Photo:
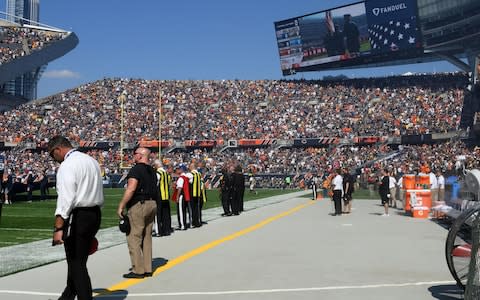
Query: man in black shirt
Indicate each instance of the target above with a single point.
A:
(226, 192)
(384, 191)
(348, 191)
(238, 184)
(140, 198)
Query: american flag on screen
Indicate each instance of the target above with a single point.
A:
(394, 35)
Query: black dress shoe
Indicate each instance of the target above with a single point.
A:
(148, 274)
(133, 275)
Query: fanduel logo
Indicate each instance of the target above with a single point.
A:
(383, 10)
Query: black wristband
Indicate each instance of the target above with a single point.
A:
(55, 229)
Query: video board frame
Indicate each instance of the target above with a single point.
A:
(317, 41)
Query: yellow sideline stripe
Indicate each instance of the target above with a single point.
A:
(123, 285)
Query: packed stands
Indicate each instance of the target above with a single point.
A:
(235, 109)
(16, 41)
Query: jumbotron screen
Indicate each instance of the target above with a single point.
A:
(352, 35)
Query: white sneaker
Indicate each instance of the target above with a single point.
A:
(385, 215)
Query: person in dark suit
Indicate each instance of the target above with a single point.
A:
(348, 189)
(226, 192)
(238, 184)
(352, 35)
(384, 191)
(334, 42)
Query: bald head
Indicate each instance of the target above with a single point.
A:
(158, 164)
(141, 155)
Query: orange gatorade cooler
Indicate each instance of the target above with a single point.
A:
(423, 198)
(418, 198)
(408, 199)
(409, 182)
(421, 212)
(423, 181)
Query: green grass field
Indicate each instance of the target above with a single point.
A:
(25, 222)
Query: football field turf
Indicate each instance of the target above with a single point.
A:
(25, 222)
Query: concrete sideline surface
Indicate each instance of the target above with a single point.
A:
(307, 254)
(26, 256)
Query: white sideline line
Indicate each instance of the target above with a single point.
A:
(271, 291)
(26, 229)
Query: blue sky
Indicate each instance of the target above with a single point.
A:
(182, 39)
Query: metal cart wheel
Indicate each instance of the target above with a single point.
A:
(458, 246)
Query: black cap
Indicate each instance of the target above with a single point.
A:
(124, 225)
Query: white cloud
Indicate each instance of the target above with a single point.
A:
(62, 74)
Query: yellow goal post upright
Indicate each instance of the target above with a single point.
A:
(160, 96)
(122, 99)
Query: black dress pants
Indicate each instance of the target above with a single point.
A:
(182, 213)
(236, 202)
(226, 202)
(195, 206)
(337, 200)
(165, 227)
(84, 226)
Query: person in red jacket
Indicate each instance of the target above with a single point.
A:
(181, 196)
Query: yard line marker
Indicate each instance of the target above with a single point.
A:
(26, 229)
(239, 292)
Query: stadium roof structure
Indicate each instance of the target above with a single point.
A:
(41, 56)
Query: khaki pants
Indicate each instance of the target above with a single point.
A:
(139, 240)
(441, 194)
(434, 193)
(402, 197)
(393, 195)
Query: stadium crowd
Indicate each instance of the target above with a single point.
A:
(19, 41)
(236, 109)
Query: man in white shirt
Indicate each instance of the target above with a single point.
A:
(181, 195)
(433, 186)
(441, 185)
(189, 203)
(337, 184)
(77, 215)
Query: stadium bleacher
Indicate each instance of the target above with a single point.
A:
(218, 111)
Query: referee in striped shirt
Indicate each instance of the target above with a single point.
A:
(163, 219)
(196, 195)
